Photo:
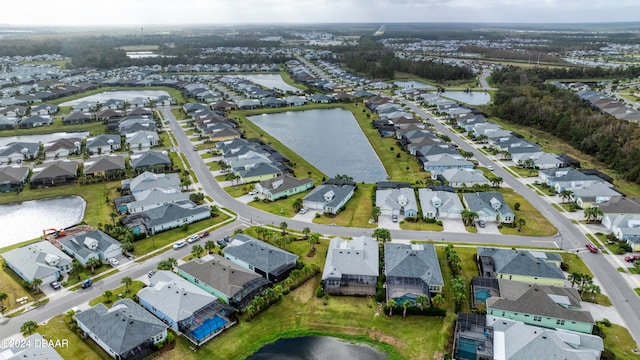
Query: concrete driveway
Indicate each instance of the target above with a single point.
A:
(453, 225)
(384, 221)
(489, 228)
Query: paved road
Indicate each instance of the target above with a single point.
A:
(569, 236)
(483, 80)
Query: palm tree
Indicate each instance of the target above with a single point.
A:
(437, 300)
(313, 240)
(126, 281)
(3, 297)
(108, 294)
(197, 250)
(172, 262)
(283, 227)
(28, 327)
(35, 283)
(574, 278)
(306, 231)
(391, 304)
(210, 245)
(468, 217)
(375, 213)
(521, 222)
(297, 204)
(496, 181)
(382, 235)
(113, 217)
(93, 263)
(422, 302)
(566, 195)
(405, 305)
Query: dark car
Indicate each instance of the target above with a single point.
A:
(87, 283)
(221, 242)
(56, 285)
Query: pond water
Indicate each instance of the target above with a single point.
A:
(26, 220)
(42, 138)
(413, 85)
(119, 95)
(472, 98)
(271, 81)
(329, 139)
(316, 348)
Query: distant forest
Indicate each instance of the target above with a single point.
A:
(524, 98)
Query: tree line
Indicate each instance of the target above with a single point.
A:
(523, 98)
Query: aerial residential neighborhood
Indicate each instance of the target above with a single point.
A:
(368, 191)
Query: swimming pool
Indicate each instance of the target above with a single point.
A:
(482, 294)
(468, 348)
(208, 327)
(406, 297)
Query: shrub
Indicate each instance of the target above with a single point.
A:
(564, 266)
(319, 291)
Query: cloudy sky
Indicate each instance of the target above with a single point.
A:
(142, 12)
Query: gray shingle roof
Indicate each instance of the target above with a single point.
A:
(79, 244)
(519, 262)
(351, 257)
(621, 205)
(339, 193)
(222, 274)
(483, 201)
(259, 170)
(37, 260)
(12, 174)
(170, 212)
(56, 169)
(258, 253)
(102, 140)
(104, 163)
(150, 158)
(538, 299)
(30, 349)
(123, 327)
(149, 180)
(416, 261)
(174, 296)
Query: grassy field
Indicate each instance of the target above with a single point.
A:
(86, 273)
(619, 340)
(420, 225)
(133, 289)
(79, 348)
(537, 224)
(356, 213)
(93, 128)
(575, 264)
(10, 284)
(281, 207)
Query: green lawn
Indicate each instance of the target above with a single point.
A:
(79, 348)
(619, 340)
(85, 274)
(356, 213)
(420, 225)
(281, 207)
(537, 224)
(11, 284)
(133, 289)
(575, 264)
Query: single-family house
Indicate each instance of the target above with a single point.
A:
(166, 217)
(126, 331)
(515, 340)
(490, 206)
(93, 244)
(411, 270)
(223, 134)
(593, 194)
(464, 178)
(141, 140)
(35, 121)
(401, 201)
(148, 180)
(103, 144)
(153, 161)
(259, 172)
(18, 151)
(440, 204)
(351, 267)
(520, 265)
(62, 148)
(283, 186)
(567, 178)
(230, 282)
(59, 172)
(7, 122)
(271, 262)
(44, 109)
(105, 166)
(186, 308)
(443, 162)
(153, 198)
(554, 307)
(625, 226)
(77, 117)
(328, 198)
(40, 260)
(618, 206)
(13, 177)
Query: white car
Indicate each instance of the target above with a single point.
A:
(179, 244)
(113, 261)
(253, 192)
(193, 238)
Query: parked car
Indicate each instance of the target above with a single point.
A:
(87, 283)
(481, 223)
(394, 218)
(151, 273)
(632, 257)
(179, 244)
(193, 238)
(252, 192)
(195, 148)
(56, 285)
(113, 262)
(221, 242)
(203, 234)
(592, 248)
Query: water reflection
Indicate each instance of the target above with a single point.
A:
(316, 348)
(26, 220)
